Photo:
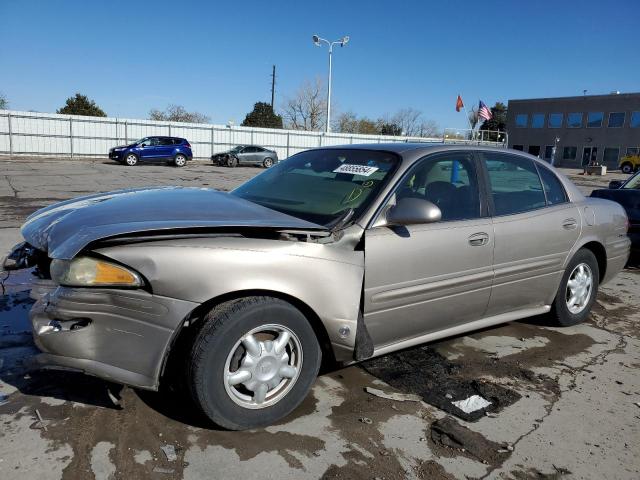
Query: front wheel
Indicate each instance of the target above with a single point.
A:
(232, 162)
(131, 159)
(180, 160)
(626, 167)
(578, 289)
(253, 362)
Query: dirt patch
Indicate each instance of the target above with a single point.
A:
(449, 434)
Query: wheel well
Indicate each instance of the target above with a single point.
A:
(601, 256)
(183, 339)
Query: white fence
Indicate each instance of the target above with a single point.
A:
(30, 133)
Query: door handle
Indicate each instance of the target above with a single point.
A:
(569, 224)
(478, 239)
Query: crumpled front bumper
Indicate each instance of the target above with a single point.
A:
(118, 335)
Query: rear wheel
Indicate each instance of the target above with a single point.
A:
(626, 167)
(180, 160)
(253, 362)
(578, 289)
(267, 162)
(131, 159)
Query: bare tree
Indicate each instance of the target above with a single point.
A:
(4, 103)
(408, 119)
(177, 113)
(349, 122)
(429, 128)
(306, 109)
(473, 117)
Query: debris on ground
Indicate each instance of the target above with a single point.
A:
(472, 403)
(170, 452)
(396, 396)
(366, 420)
(168, 471)
(439, 381)
(40, 423)
(447, 432)
(3, 398)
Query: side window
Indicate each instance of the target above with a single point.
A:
(449, 181)
(165, 141)
(250, 150)
(514, 183)
(552, 187)
(153, 141)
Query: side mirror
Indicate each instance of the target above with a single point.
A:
(615, 184)
(413, 211)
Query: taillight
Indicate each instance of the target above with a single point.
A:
(187, 145)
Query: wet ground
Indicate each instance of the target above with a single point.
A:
(565, 403)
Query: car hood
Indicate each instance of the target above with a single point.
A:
(64, 229)
(123, 146)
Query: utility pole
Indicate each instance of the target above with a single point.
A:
(273, 85)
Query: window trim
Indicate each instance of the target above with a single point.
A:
(544, 118)
(492, 208)
(581, 119)
(624, 119)
(549, 119)
(601, 120)
(526, 123)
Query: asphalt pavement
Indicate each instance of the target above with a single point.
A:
(565, 401)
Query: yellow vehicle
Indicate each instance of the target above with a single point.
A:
(630, 163)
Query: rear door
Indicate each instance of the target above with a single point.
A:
(424, 278)
(165, 147)
(535, 227)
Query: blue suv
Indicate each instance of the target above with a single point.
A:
(176, 150)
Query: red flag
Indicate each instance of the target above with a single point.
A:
(459, 104)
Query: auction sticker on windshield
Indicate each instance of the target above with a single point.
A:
(363, 170)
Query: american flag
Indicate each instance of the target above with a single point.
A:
(483, 111)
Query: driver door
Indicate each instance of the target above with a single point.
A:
(148, 149)
(423, 278)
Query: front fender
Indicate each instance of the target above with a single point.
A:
(326, 278)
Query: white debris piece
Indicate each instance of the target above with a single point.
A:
(399, 397)
(170, 452)
(471, 404)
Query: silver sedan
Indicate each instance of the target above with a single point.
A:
(337, 254)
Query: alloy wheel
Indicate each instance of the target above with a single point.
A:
(263, 366)
(579, 288)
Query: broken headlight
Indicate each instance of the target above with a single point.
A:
(93, 272)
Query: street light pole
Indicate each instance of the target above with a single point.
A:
(318, 41)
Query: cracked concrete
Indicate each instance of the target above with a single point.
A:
(575, 417)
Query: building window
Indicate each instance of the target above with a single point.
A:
(518, 147)
(521, 120)
(548, 152)
(537, 120)
(534, 150)
(611, 156)
(594, 119)
(574, 120)
(616, 120)
(633, 151)
(555, 120)
(569, 153)
(635, 120)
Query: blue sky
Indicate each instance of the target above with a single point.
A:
(215, 57)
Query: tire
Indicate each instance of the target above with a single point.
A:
(180, 160)
(626, 167)
(130, 159)
(561, 312)
(267, 162)
(219, 352)
(232, 162)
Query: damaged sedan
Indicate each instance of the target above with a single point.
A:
(333, 256)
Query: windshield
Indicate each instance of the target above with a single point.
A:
(321, 186)
(138, 142)
(236, 149)
(633, 183)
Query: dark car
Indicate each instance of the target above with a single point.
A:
(176, 150)
(246, 154)
(626, 194)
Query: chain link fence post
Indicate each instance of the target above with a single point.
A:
(71, 137)
(10, 137)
